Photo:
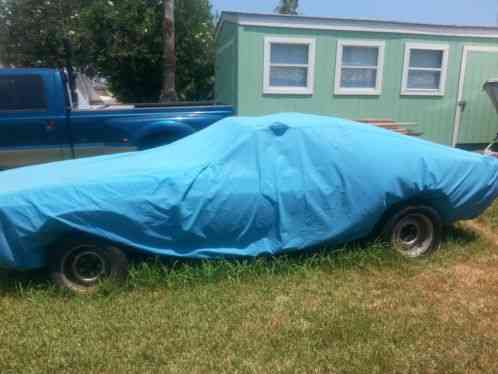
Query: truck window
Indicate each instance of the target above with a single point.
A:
(22, 92)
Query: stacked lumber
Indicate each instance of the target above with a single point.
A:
(389, 124)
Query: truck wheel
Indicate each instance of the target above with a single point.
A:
(79, 267)
(414, 231)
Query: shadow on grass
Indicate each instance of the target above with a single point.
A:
(20, 282)
(456, 233)
(154, 272)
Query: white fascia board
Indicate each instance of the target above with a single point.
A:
(360, 25)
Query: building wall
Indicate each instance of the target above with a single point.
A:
(226, 82)
(479, 120)
(434, 115)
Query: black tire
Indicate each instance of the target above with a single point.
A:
(414, 231)
(80, 266)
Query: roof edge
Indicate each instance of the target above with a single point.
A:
(351, 24)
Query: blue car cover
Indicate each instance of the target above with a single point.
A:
(242, 187)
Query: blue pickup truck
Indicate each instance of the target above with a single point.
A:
(39, 123)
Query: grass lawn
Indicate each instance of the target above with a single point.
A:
(490, 217)
(354, 311)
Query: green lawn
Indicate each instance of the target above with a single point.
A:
(356, 311)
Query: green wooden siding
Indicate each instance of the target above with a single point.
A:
(479, 119)
(226, 85)
(434, 115)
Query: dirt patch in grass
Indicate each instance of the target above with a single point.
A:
(467, 289)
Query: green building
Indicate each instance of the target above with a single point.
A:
(428, 76)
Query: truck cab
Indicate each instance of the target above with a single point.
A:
(33, 118)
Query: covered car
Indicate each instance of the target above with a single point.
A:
(242, 187)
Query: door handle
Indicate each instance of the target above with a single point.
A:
(462, 104)
(50, 126)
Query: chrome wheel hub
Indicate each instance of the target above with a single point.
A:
(413, 235)
(88, 266)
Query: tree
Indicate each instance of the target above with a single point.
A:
(169, 54)
(195, 49)
(3, 31)
(31, 31)
(288, 7)
(124, 41)
(121, 40)
(128, 44)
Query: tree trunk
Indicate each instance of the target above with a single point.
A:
(169, 55)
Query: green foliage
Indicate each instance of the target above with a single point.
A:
(125, 42)
(121, 40)
(288, 7)
(32, 30)
(128, 47)
(195, 49)
(3, 30)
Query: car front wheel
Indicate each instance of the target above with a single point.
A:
(414, 231)
(79, 267)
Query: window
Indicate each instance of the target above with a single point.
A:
(289, 65)
(22, 92)
(425, 69)
(359, 68)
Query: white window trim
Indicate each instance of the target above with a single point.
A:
(309, 90)
(444, 70)
(338, 90)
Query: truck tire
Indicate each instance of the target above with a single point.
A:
(80, 266)
(414, 231)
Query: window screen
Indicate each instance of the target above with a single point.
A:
(360, 56)
(425, 69)
(23, 92)
(289, 65)
(359, 68)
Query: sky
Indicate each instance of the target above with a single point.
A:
(460, 12)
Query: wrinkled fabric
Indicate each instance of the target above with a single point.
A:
(242, 187)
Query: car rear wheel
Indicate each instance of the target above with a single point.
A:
(79, 267)
(414, 231)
